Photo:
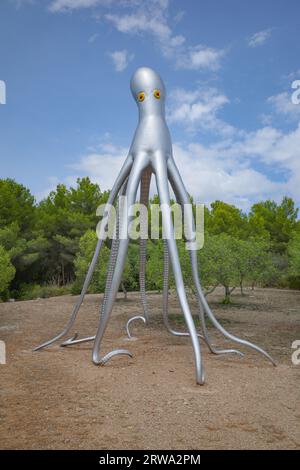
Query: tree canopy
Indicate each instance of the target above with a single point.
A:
(51, 242)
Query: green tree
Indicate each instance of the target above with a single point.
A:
(294, 255)
(87, 245)
(17, 205)
(278, 220)
(63, 217)
(27, 255)
(7, 271)
(155, 265)
(227, 219)
(253, 261)
(218, 263)
(130, 277)
(17, 229)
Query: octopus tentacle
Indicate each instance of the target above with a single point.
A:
(160, 169)
(137, 317)
(74, 340)
(177, 183)
(140, 163)
(124, 172)
(166, 296)
(110, 274)
(182, 198)
(110, 270)
(144, 197)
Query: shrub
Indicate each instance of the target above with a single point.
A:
(7, 272)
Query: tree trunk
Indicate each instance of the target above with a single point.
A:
(63, 273)
(210, 291)
(124, 290)
(227, 295)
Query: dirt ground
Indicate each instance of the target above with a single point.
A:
(57, 399)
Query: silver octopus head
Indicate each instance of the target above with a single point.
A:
(148, 91)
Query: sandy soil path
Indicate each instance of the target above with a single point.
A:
(57, 399)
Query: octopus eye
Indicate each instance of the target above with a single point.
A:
(141, 96)
(156, 94)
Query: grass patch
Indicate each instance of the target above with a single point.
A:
(35, 291)
(177, 319)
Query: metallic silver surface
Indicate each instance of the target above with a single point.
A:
(180, 190)
(137, 317)
(139, 164)
(74, 340)
(112, 196)
(144, 198)
(166, 296)
(110, 271)
(150, 152)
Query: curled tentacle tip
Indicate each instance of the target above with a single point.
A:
(137, 317)
(117, 352)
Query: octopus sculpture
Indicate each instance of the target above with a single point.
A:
(150, 153)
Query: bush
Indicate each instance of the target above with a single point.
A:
(294, 282)
(35, 291)
(7, 272)
(87, 245)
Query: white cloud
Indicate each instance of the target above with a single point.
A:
(199, 57)
(293, 75)
(228, 169)
(208, 176)
(283, 105)
(259, 38)
(68, 5)
(199, 109)
(121, 59)
(141, 22)
(102, 166)
(173, 46)
(241, 169)
(151, 17)
(147, 18)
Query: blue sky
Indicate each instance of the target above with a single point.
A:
(228, 66)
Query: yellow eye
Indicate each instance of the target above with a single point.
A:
(141, 96)
(156, 94)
